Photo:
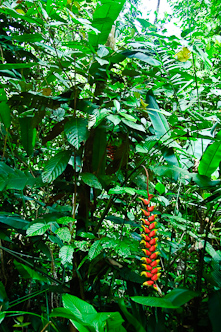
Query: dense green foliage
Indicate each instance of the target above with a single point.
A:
(90, 92)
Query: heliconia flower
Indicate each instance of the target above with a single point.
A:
(152, 226)
(146, 229)
(154, 255)
(145, 212)
(147, 252)
(151, 208)
(153, 248)
(147, 260)
(152, 233)
(155, 287)
(147, 274)
(156, 270)
(156, 276)
(148, 283)
(147, 267)
(145, 237)
(152, 218)
(154, 263)
(146, 202)
(147, 245)
(146, 222)
(153, 241)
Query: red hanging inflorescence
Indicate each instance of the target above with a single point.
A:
(149, 242)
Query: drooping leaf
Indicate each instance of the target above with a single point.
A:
(91, 180)
(4, 109)
(158, 120)
(56, 165)
(104, 17)
(76, 131)
(130, 318)
(28, 133)
(211, 157)
(28, 273)
(142, 56)
(13, 220)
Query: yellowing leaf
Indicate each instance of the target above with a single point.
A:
(143, 104)
(77, 5)
(183, 55)
(46, 91)
(20, 11)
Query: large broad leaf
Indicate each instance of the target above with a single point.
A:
(13, 220)
(95, 249)
(91, 180)
(104, 16)
(17, 65)
(130, 318)
(214, 305)
(142, 56)
(4, 109)
(79, 308)
(37, 229)
(211, 157)
(56, 165)
(28, 273)
(176, 298)
(76, 132)
(158, 120)
(28, 134)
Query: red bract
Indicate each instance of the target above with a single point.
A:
(147, 245)
(151, 234)
(156, 270)
(153, 241)
(152, 226)
(146, 222)
(148, 283)
(156, 276)
(147, 267)
(147, 260)
(154, 263)
(146, 202)
(154, 255)
(145, 237)
(145, 212)
(150, 209)
(147, 252)
(146, 229)
(153, 248)
(152, 218)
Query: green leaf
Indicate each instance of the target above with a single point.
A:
(17, 65)
(130, 318)
(104, 17)
(4, 303)
(122, 190)
(76, 132)
(95, 249)
(56, 166)
(13, 220)
(174, 299)
(91, 180)
(30, 38)
(153, 301)
(214, 305)
(133, 125)
(5, 115)
(64, 234)
(37, 229)
(180, 296)
(66, 220)
(66, 254)
(158, 120)
(211, 157)
(160, 188)
(28, 134)
(28, 273)
(143, 57)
